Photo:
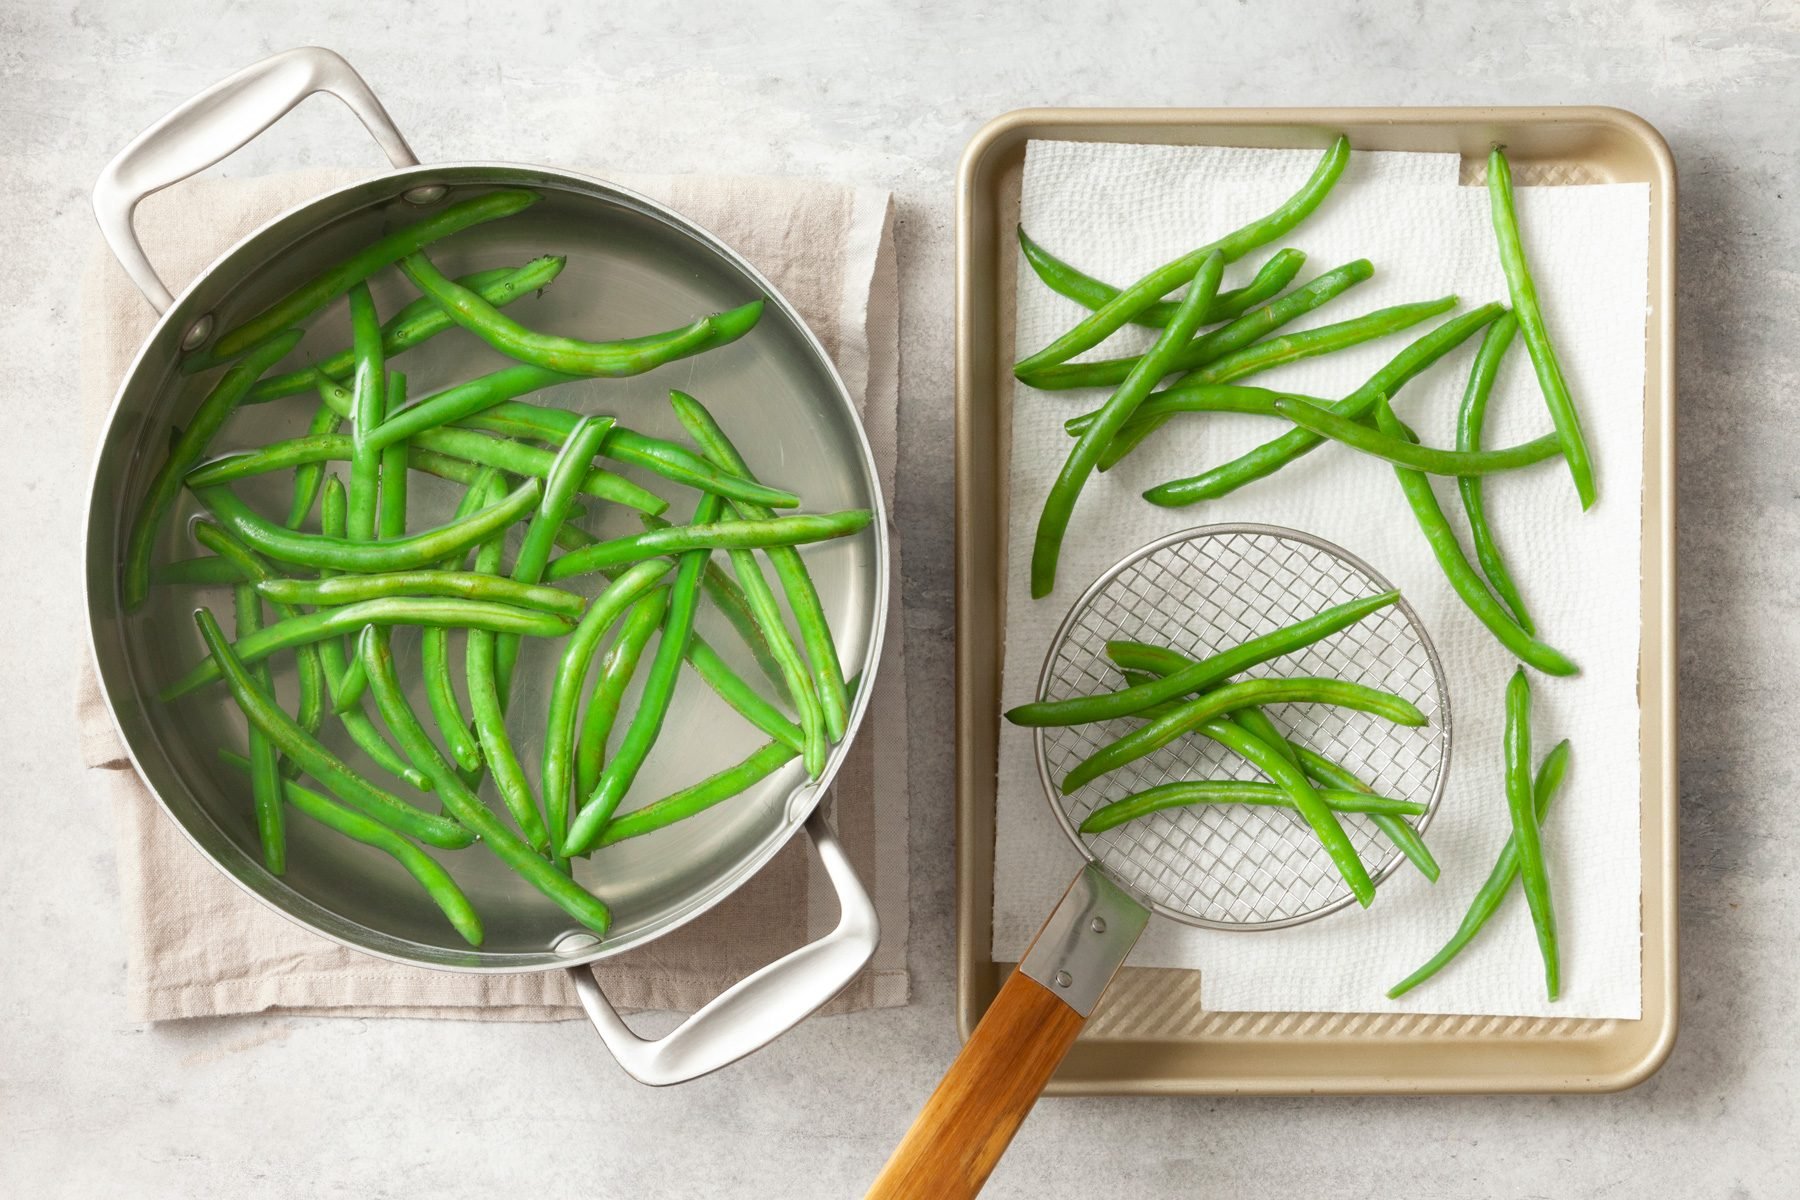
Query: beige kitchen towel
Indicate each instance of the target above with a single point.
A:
(198, 946)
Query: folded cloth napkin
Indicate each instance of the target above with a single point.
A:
(197, 946)
(1117, 211)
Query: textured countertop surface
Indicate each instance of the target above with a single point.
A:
(888, 94)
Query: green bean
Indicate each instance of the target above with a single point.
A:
(1220, 342)
(387, 610)
(251, 568)
(565, 692)
(1469, 420)
(627, 356)
(1059, 505)
(1091, 293)
(204, 570)
(678, 463)
(1272, 352)
(466, 585)
(799, 683)
(453, 454)
(1326, 773)
(719, 676)
(430, 447)
(1288, 777)
(490, 715)
(351, 685)
(462, 803)
(1157, 661)
(1537, 335)
(616, 669)
(1271, 456)
(1139, 662)
(325, 287)
(1457, 570)
(265, 768)
(731, 688)
(474, 396)
(368, 407)
(310, 477)
(1207, 389)
(1256, 723)
(790, 570)
(440, 697)
(1200, 397)
(519, 459)
(392, 522)
(1499, 881)
(1188, 716)
(689, 801)
(483, 404)
(362, 731)
(653, 705)
(262, 712)
(1534, 876)
(184, 452)
(566, 472)
(434, 642)
(1135, 299)
(1230, 791)
(1429, 459)
(729, 599)
(709, 535)
(561, 481)
(421, 866)
(672, 461)
(417, 322)
(1133, 678)
(346, 554)
(1198, 676)
(311, 450)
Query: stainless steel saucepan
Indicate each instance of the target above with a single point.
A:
(634, 265)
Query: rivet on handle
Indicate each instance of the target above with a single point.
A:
(197, 333)
(577, 941)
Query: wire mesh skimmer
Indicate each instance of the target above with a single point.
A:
(1222, 866)
(1234, 866)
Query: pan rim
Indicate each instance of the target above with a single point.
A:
(285, 901)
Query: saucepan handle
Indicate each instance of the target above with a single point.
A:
(958, 1137)
(222, 119)
(758, 1009)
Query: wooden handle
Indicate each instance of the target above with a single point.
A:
(965, 1127)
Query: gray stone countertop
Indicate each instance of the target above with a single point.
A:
(888, 94)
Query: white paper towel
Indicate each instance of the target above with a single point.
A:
(1116, 211)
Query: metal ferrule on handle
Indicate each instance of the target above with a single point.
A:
(1085, 941)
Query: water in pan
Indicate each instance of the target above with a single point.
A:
(1233, 865)
(627, 273)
